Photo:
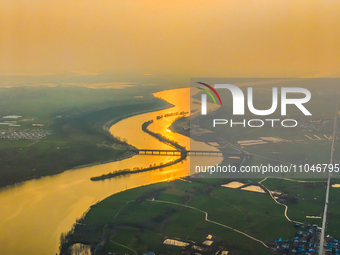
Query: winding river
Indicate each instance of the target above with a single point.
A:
(33, 214)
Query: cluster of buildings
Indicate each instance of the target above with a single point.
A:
(332, 247)
(304, 243)
(25, 134)
(14, 133)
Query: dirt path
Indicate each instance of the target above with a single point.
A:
(214, 222)
(124, 246)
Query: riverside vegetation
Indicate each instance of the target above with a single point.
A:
(135, 170)
(78, 137)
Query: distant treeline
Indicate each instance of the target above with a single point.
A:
(162, 139)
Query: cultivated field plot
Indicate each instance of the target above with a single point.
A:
(143, 218)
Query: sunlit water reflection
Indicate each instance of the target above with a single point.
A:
(34, 214)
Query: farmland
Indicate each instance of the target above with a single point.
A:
(75, 128)
(142, 218)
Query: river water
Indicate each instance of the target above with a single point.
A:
(33, 214)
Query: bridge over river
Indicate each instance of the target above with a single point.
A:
(187, 152)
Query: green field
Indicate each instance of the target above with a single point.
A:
(76, 117)
(307, 199)
(333, 225)
(132, 219)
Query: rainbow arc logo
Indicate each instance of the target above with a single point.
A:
(209, 93)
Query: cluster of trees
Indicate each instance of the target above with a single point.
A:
(172, 114)
(135, 170)
(160, 137)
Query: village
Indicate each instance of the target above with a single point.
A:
(13, 132)
(25, 134)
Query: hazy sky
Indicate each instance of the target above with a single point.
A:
(191, 37)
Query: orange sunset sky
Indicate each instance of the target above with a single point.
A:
(238, 38)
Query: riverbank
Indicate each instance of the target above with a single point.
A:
(162, 139)
(107, 125)
(125, 155)
(189, 211)
(78, 140)
(129, 171)
(54, 203)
